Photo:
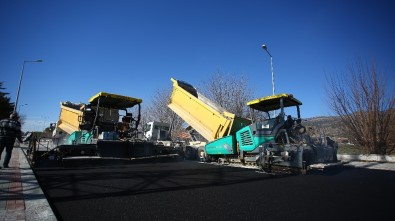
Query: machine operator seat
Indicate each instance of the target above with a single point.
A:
(127, 122)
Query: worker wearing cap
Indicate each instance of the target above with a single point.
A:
(10, 129)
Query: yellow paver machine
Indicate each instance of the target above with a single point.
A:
(104, 128)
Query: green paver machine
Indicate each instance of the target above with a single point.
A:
(271, 142)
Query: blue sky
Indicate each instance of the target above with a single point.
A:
(134, 47)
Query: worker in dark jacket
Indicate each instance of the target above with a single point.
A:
(289, 123)
(10, 129)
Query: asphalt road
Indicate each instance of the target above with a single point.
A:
(189, 190)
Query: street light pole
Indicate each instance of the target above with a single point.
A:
(264, 47)
(20, 81)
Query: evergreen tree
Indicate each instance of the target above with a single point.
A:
(6, 107)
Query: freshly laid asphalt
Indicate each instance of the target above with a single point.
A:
(189, 190)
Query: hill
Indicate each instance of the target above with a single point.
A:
(327, 125)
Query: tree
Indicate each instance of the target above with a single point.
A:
(365, 107)
(157, 110)
(6, 107)
(229, 91)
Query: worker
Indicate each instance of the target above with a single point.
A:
(289, 123)
(10, 129)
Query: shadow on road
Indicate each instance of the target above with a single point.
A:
(104, 179)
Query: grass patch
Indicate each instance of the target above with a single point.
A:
(353, 149)
(349, 149)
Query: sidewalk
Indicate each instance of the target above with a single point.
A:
(21, 197)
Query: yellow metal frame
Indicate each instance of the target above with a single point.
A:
(272, 102)
(114, 101)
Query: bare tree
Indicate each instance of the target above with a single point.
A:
(229, 91)
(365, 107)
(157, 110)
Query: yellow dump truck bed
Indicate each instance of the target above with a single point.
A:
(210, 120)
(68, 119)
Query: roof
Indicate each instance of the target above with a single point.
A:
(114, 101)
(272, 102)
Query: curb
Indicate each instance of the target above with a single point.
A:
(370, 157)
(37, 207)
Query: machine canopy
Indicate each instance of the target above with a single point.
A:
(270, 103)
(114, 101)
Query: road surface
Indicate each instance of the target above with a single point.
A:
(188, 190)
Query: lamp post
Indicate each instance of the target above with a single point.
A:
(264, 47)
(20, 81)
